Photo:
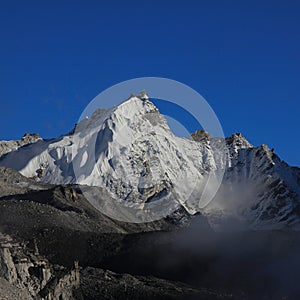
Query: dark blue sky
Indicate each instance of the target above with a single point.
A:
(242, 56)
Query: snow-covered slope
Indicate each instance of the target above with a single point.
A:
(130, 150)
(258, 188)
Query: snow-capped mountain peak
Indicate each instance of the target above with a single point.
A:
(130, 150)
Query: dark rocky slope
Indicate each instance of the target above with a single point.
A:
(53, 244)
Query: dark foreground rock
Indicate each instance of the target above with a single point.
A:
(104, 284)
(25, 274)
(52, 244)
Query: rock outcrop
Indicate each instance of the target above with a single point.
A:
(13, 145)
(26, 275)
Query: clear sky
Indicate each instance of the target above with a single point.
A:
(242, 56)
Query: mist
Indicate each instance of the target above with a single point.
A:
(237, 261)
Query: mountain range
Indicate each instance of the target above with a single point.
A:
(121, 208)
(130, 151)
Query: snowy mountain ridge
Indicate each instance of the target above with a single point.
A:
(131, 151)
(8, 146)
